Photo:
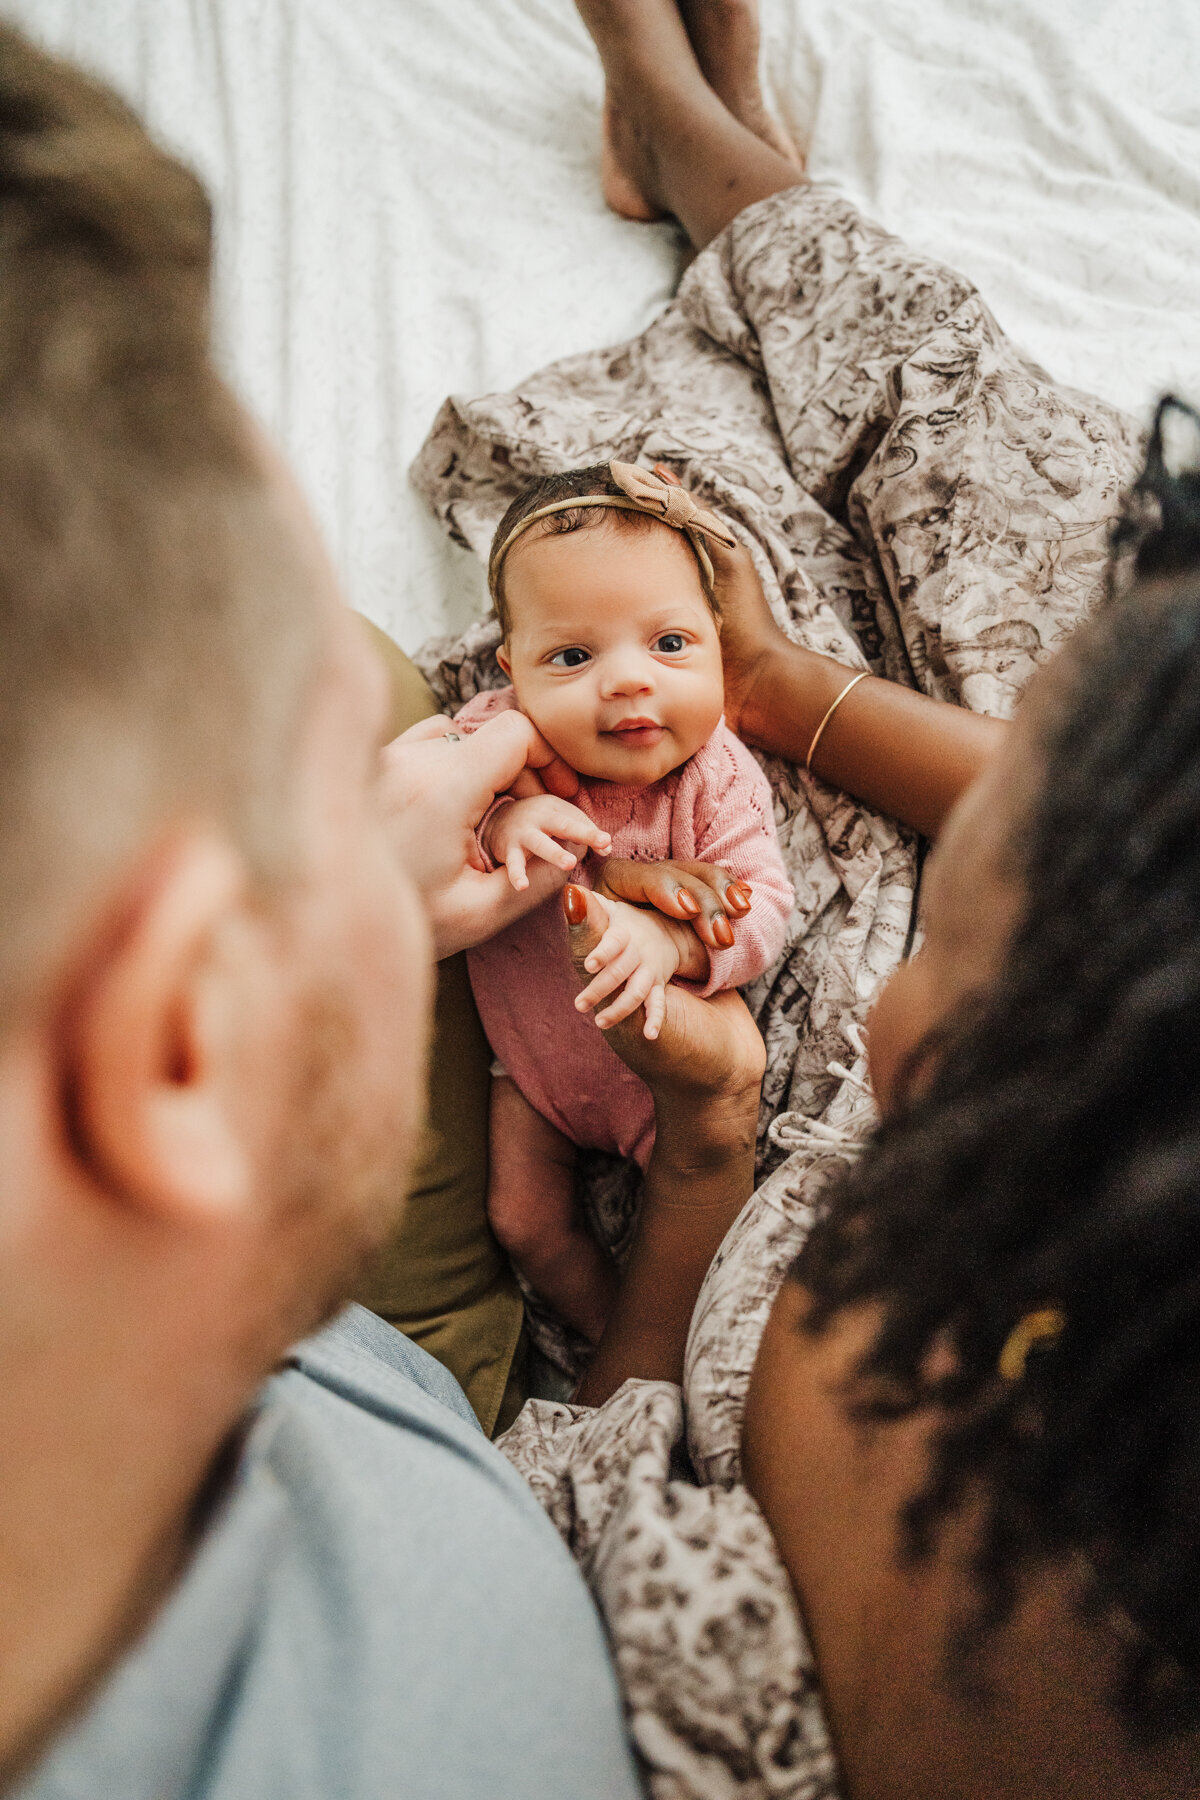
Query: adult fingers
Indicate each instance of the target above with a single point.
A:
(587, 918)
(558, 777)
(528, 785)
(424, 729)
(491, 759)
(697, 894)
(720, 898)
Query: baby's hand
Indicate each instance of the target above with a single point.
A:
(541, 826)
(639, 951)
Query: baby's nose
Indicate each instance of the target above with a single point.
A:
(631, 673)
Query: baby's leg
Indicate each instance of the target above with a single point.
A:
(531, 1205)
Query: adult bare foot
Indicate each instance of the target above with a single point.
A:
(619, 157)
(725, 36)
(639, 41)
(674, 147)
(689, 53)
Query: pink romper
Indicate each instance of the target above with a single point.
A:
(715, 808)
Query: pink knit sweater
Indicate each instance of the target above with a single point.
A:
(716, 808)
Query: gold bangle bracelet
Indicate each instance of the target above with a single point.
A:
(817, 734)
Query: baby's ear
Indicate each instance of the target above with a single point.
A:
(505, 661)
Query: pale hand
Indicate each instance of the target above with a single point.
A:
(544, 827)
(433, 794)
(639, 953)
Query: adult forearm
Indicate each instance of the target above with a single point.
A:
(700, 1175)
(904, 754)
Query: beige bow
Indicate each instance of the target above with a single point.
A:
(643, 491)
(673, 504)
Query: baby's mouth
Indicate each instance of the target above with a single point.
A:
(637, 734)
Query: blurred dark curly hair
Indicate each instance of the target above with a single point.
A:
(1054, 1157)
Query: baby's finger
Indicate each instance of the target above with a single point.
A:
(635, 993)
(538, 844)
(514, 862)
(656, 1010)
(568, 821)
(608, 981)
(610, 946)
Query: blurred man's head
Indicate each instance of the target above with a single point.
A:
(213, 972)
(208, 1014)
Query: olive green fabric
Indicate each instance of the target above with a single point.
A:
(442, 1278)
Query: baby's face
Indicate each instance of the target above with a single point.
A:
(613, 649)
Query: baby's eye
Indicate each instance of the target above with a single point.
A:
(671, 643)
(574, 658)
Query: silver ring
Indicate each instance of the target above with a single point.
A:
(452, 737)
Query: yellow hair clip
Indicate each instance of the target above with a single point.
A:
(1041, 1327)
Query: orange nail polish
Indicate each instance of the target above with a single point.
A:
(688, 903)
(723, 932)
(575, 905)
(740, 893)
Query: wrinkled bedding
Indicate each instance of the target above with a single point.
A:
(920, 498)
(409, 205)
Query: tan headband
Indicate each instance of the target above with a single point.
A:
(645, 492)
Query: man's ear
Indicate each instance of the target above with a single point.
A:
(148, 1041)
(505, 660)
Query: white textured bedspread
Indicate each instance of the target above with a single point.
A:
(409, 204)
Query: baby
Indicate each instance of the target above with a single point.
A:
(604, 589)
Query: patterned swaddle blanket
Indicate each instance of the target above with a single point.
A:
(922, 500)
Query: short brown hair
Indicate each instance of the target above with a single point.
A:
(144, 591)
(549, 490)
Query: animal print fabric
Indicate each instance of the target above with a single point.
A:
(920, 499)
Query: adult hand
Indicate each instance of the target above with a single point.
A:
(704, 1071)
(706, 1063)
(696, 893)
(750, 638)
(435, 789)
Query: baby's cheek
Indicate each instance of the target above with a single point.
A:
(561, 715)
(569, 730)
(701, 706)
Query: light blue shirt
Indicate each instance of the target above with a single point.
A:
(378, 1608)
